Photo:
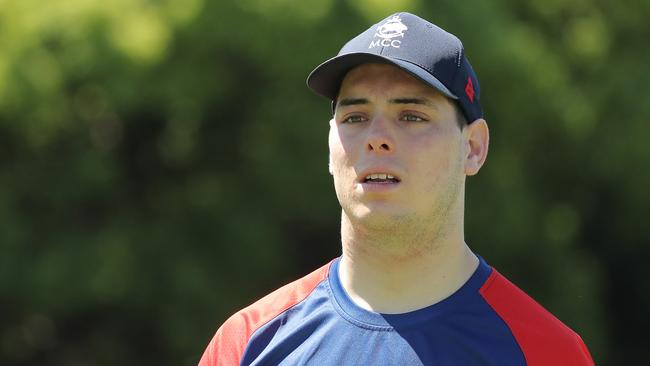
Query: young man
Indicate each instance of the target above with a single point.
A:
(407, 290)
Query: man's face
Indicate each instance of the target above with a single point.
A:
(396, 151)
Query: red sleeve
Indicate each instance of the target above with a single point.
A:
(229, 343)
(543, 338)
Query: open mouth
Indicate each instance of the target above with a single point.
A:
(380, 178)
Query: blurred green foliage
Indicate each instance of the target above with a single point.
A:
(163, 164)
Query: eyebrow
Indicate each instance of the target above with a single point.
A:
(351, 101)
(411, 101)
(358, 101)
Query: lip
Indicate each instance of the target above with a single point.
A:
(378, 187)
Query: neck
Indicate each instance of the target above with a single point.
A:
(401, 270)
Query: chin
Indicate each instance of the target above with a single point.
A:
(377, 215)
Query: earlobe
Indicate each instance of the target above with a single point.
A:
(478, 140)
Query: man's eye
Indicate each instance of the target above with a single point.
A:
(412, 118)
(353, 119)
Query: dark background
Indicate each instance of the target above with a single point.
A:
(162, 164)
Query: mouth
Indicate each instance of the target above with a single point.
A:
(380, 178)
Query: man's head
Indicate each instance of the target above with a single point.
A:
(396, 152)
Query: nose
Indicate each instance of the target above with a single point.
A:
(380, 137)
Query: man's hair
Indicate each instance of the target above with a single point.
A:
(461, 120)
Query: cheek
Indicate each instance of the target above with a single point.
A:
(339, 151)
(438, 155)
(340, 167)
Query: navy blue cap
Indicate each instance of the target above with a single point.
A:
(424, 50)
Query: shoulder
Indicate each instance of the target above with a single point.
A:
(543, 338)
(229, 343)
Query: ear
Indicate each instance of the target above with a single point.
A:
(477, 139)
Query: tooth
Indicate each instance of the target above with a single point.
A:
(374, 176)
(389, 176)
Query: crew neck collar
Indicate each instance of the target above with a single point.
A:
(379, 321)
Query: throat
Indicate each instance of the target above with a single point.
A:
(389, 284)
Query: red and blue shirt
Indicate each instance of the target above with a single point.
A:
(312, 321)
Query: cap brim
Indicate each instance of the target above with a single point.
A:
(326, 79)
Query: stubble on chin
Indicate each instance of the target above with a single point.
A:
(402, 235)
(398, 236)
